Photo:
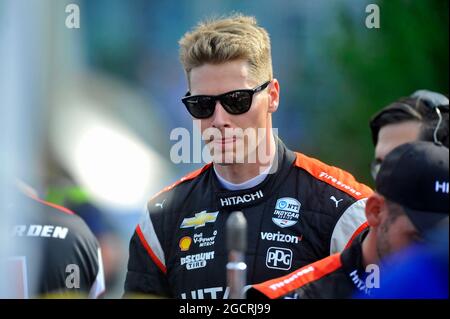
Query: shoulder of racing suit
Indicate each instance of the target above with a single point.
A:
(339, 194)
(334, 176)
(189, 177)
(65, 240)
(153, 236)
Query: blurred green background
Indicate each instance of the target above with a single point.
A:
(408, 52)
(334, 72)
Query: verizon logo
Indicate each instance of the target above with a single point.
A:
(279, 237)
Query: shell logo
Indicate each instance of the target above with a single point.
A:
(185, 243)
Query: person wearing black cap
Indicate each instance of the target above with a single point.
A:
(411, 198)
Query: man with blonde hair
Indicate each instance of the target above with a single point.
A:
(298, 209)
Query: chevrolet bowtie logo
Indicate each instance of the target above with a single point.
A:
(199, 220)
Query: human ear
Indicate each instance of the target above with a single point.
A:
(274, 96)
(374, 206)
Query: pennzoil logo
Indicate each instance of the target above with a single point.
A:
(199, 220)
(185, 243)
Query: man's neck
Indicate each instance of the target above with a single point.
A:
(241, 172)
(369, 249)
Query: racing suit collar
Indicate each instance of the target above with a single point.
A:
(253, 182)
(227, 199)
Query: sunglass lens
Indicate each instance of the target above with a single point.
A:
(237, 102)
(200, 107)
(375, 168)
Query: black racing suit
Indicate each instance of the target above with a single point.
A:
(339, 276)
(55, 254)
(300, 214)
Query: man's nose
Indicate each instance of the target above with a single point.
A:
(220, 116)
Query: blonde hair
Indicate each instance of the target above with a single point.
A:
(226, 39)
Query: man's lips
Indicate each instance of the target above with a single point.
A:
(224, 141)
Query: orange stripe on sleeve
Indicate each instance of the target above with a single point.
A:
(358, 231)
(147, 247)
(281, 286)
(189, 176)
(334, 176)
(60, 208)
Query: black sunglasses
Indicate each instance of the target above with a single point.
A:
(375, 167)
(234, 102)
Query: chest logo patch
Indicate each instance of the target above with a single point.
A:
(185, 243)
(279, 258)
(287, 212)
(199, 220)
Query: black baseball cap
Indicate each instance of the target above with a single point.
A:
(416, 176)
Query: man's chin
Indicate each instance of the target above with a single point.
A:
(223, 164)
(228, 158)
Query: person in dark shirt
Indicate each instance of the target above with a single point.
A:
(410, 200)
(55, 254)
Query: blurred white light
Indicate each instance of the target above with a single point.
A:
(112, 165)
(110, 162)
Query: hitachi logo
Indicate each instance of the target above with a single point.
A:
(235, 200)
(212, 293)
(441, 187)
(40, 231)
(358, 282)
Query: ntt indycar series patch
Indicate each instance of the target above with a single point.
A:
(286, 212)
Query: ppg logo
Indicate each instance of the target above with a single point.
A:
(279, 258)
